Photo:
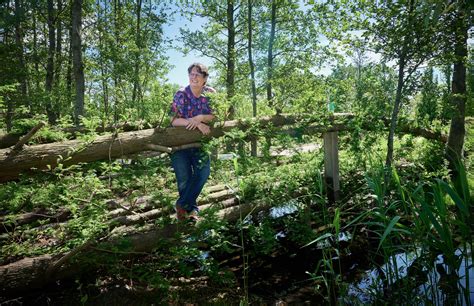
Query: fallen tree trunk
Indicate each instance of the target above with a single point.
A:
(37, 272)
(114, 146)
(406, 128)
(133, 213)
(122, 144)
(10, 139)
(9, 223)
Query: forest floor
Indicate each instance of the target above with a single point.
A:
(271, 277)
(279, 277)
(267, 258)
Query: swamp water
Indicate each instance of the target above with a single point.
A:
(440, 284)
(401, 279)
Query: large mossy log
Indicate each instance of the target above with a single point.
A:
(10, 139)
(114, 146)
(42, 156)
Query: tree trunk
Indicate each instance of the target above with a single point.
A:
(69, 67)
(35, 52)
(103, 67)
(402, 62)
(9, 115)
(8, 140)
(138, 43)
(8, 100)
(110, 146)
(454, 146)
(395, 111)
(50, 64)
(270, 98)
(59, 46)
(270, 55)
(78, 65)
(23, 76)
(253, 145)
(230, 77)
(117, 22)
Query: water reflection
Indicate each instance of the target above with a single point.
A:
(285, 209)
(440, 285)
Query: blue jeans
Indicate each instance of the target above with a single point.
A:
(192, 168)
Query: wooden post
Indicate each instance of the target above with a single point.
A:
(331, 166)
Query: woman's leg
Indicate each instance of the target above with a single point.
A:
(200, 163)
(181, 162)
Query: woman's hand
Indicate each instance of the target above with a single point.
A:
(192, 123)
(204, 128)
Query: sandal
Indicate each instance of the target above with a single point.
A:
(193, 216)
(181, 214)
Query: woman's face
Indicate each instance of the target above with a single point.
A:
(196, 79)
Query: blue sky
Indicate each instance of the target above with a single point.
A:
(178, 74)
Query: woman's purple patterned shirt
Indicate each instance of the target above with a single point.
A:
(185, 105)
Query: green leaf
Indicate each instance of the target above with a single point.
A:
(455, 196)
(388, 230)
(327, 235)
(337, 221)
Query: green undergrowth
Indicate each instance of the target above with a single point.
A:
(84, 192)
(417, 208)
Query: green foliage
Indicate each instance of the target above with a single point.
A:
(428, 154)
(5, 90)
(470, 82)
(82, 194)
(434, 212)
(125, 67)
(123, 58)
(427, 108)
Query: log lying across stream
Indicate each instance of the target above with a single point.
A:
(43, 156)
(114, 146)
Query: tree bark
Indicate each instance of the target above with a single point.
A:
(69, 65)
(395, 111)
(23, 76)
(118, 102)
(59, 45)
(112, 146)
(35, 51)
(230, 77)
(457, 131)
(402, 62)
(50, 64)
(104, 78)
(270, 54)
(19, 145)
(253, 144)
(78, 65)
(136, 81)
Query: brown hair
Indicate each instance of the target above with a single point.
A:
(201, 68)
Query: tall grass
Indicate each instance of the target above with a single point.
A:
(435, 218)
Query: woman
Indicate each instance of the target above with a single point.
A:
(191, 109)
